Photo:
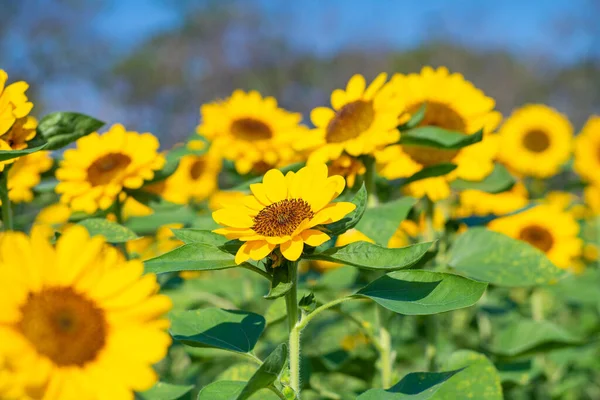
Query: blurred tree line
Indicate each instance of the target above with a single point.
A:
(219, 46)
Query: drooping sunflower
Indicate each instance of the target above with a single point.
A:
(587, 151)
(25, 174)
(480, 203)
(452, 103)
(362, 120)
(92, 175)
(546, 227)
(284, 212)
(251, 131)
(535, 141)
(85, 323)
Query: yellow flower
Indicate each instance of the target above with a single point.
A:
(587, 151)
(592, 198)
(546, 227)
(223, 198)
(25, 174)
(85, 323)
(363, 119)
(284, 212)
(350, 236)
(195, 179)
(477, 202)
(148, 247)
(250, 130)
(54, 215)
(92, 175)
(408, 230)
(348, 167)
(451, 103)
(535, 141)
(590, 252)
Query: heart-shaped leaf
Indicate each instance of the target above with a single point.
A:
(61, 128)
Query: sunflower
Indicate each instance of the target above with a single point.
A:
(85, 323)
(223, 198)
(451, 103)
(408, 230)
(535, 141)
(148, 247)
(25, 174)
(195, 179)
(350, 236)
(348, 167)
(587, 151)
(251, 131)
(480, 203)
(92, 175)
(284, 212)
(363, 119)
(591, 195)
(546, 227)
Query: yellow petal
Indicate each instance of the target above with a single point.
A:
(356, 87)
(321, 116)
(259, 191)
(332, 213)
(292, 249)
(313, 237)
(232, 217)
(275, 185)
(374, 87)
(338, 99)
(243, 253)
(261, 250)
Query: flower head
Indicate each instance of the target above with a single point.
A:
(587, 151)
(284, 212)
(480, 203)
(25, 174)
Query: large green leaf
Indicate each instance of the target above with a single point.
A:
(193, 235)
(371, 256)
(350, 220)
(414, 386)
(232, 330)
(10, 154)
(428, 172)
(527, 336)
(112, 232)
(433, 136)
(192, 257)
(498, 181)
(267, 373)
(496, 258)
(230, 390)
(165, 391)
(379, 223)
(418, 292)
(164, 214)
(61, 128)
(478, 380)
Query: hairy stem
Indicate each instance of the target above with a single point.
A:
(7, 220)
(385, 348)
(291, 301)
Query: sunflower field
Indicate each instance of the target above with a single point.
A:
(406, 241)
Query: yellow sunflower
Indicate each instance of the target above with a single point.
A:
(284, 212)
(546, 227)
(408, 230)
(85, 323)
(92, 175)
(251, 131)
(477, 202)
(348, 167)
(591, 196)
(452, 103)
(195, 179)
(223, 198)
(25, 174)
(350, 236)
(587, 151)
(535, 141)
(363, 119)
(148, 247)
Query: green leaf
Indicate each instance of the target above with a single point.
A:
(193, 235)
(281, 282)
(308, 302)
(415, 119)
(496, 258)
(230, 390)
(112, 232)
(164, 213)
(418, 292)
(191, 257)
(381, 222)
(10, 154)
(499, 180)
(371, 256)
(169, 169)
(61, 128)
(433, 136)
(479, 380)
(428, 172)
(238, 372)
(527, 336)
(232, 330)
(350, 220)
(414, 386)
(267, 373)
(165, 391)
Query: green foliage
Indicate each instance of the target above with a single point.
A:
(439, 138)
(267, 373)
(10, 154)
(414, 386)
(111, 231)
(231, 390)
(193, 235)
(165, 391)
(62, 128)
(379, 223)
(498, 181)
(429, 172)
(350, 221)
(191, 257)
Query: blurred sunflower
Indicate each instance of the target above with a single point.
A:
(285, 212)
(350, 236)
(587, 151)
(85, 323)
(535, 141)
(591, 195)
(363, 119)
(452, 103)
(546, 227)
(11, 385)
(348, 167)
(480, 203)
(223, 198)
(251, 131)
(148, 247)
(25, 174)
(92, 175)
(408, 230)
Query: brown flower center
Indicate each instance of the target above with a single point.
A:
(350, 121)
(64, 326)
(282, 218)
(537, 236)
(250, 129)
(440, 115)
(536, 141)
(197, 169)
(107, 168)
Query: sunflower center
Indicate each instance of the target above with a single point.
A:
(440, 115)
(107, 168)
(282, 218)
(250, 129)
(197, 169)
(537, 236)
(64, 326)
(536, 141)
(428, 156)
(350, 121)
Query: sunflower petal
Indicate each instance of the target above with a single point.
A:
(313, 237)
(293, 249)
(233, 217)
(275, 185)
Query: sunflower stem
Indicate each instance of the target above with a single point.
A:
(385, 348)
(370, 175)
(119, 215)
(291, 301)
(7, 217)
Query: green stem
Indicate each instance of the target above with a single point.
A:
(119, 215)
(277, 392)
(430, 348)
(7, 218)
(385, 347)
(291, 301)
(370, 176)
(537, 305)
(302, 324)
(429, 211)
